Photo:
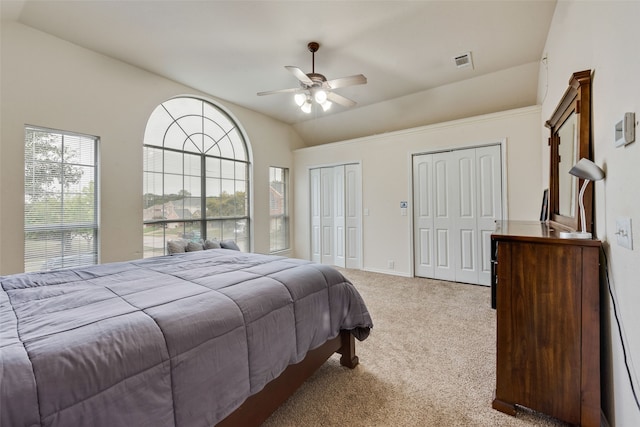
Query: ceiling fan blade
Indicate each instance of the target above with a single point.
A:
(358, 79)
(339, 99)
(271, 92)
(300, 75)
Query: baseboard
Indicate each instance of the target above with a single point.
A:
(391, 272)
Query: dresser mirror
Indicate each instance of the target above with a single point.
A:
(567, 149)
(570, 140)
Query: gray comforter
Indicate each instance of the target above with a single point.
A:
(179, 340)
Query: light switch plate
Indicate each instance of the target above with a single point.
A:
(623, 231)
(625, 130)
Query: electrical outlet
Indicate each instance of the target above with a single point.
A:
(390, 264)
(623, 231)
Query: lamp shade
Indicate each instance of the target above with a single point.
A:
(586, 169)
(320, 96)
(300, 99)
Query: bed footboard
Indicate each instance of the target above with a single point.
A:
(257, 408)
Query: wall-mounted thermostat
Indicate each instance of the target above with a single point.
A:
(626, 129)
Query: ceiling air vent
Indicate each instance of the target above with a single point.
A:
(464, 60)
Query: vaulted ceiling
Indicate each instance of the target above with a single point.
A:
(234, 49)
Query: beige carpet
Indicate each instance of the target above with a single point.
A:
(429, 361)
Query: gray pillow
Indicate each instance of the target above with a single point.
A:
(176, 246)
(194, 246)
(229, 244)
(211, 244)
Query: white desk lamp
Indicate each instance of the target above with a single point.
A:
(588, 171)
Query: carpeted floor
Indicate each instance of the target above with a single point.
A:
(429, 361)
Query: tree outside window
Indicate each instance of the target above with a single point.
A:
(60, 199)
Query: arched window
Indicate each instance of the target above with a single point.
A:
(196, 176)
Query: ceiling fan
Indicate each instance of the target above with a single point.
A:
(316, 87)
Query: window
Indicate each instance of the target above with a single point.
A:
(60, 199)
(196, 176)
(279, 208)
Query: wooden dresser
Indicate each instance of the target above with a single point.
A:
(546, 293)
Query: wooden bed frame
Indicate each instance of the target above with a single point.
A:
(258, 407)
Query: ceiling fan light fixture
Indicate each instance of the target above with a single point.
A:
(300, 99)
(315, 88)
(320, 96)
(306, 107)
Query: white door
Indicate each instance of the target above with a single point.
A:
(353, 215)
(489, 205)
(463, 208)
(326, 216)
(314, 205)
(457, 199)
(339, 217)
(443, 217)
(336, 226)
(423, 215)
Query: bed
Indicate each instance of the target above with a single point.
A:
(215, 337)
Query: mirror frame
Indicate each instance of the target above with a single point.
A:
(576, 99)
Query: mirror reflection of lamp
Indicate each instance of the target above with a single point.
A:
(588, 171)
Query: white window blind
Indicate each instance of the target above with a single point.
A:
(60, 199)
(279, 209)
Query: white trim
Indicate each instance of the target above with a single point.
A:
(389, 272)
(505, 181)
(421, 129)
(412, 269)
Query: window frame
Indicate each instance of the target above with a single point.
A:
(282, 219)
(38, 249)
(230, 169)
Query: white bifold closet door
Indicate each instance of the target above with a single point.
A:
(335, 202)
(457, 199)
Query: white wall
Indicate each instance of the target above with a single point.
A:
(503, 90)
(604, 36)
(49, 82)
(386, 178)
